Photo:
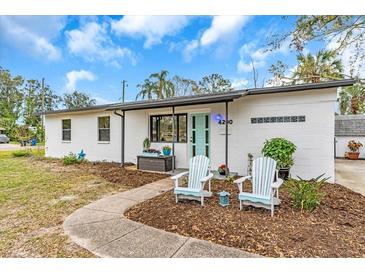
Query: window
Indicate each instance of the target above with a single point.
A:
(66, 130)
(104, 129)
(278, 119)
(161, 128)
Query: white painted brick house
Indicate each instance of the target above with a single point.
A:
(304, 114)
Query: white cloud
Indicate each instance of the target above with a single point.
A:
(239, 83)
(77, 75)
(92, 42)
(152, 28)
(102, 101)
(189, 50)
(33, 34)
(223, 27)
(250, 53)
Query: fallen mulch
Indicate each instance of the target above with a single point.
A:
(115, 173)
(336, 228)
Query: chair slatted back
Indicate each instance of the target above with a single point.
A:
(263, 174)
(198, 169)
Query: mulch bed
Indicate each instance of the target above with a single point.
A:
(115, 173)
(111, 172)
(336, 228)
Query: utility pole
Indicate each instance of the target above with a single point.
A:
(124, 85)
(43, 102)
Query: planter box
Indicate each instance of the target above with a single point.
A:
(153, 163)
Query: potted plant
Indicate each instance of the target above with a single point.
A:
(281, 150)
(354, 147)
(166, 150)
(146, 143)
(222, 169)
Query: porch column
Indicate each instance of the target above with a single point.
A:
(123, 136)
(173, 139)
(226, 124)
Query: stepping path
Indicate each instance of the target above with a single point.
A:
(101, 228)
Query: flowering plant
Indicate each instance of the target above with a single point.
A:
(354, 146)
(222, 168)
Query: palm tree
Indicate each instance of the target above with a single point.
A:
(165, 88)
(148, 90)
(352, 99)
(316, 68)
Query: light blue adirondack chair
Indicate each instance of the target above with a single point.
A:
(198, 175)
(265, 184)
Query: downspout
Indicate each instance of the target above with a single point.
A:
(122, 126)
(173, 139)
(226, 124)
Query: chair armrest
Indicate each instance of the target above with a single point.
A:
(239, 182)
(242, 179)
(178, 176)
(206, 178)
(277, 184)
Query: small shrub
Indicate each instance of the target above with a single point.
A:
(281, 150)
(306, 194)
(21, 153)
(70, 159)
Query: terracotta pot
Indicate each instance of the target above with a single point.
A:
(353, 155)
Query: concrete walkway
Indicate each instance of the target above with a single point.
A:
(101, 228)
(351, 174)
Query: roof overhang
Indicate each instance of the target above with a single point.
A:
(205, 98)
(181, 101)
(293, 88)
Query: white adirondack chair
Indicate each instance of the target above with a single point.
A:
(265, 184)
(199, 174)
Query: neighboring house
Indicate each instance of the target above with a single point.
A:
(349, 127)
(304, 114)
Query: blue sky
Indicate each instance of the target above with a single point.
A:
(93, 54)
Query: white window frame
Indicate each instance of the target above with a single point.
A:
(70, 130)
(98, 129)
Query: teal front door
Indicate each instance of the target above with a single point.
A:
(200, 134)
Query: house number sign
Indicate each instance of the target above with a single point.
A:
(223, 122)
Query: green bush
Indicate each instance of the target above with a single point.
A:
(22, 153)
(306, 194)
(70, 159)
(281, 150)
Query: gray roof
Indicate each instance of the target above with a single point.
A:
(350, 125)
(208, 98)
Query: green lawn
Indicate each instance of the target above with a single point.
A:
(35, 197)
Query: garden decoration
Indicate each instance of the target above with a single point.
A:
(224, 198)
(355, 149)
(166, 150)
(249, 163)
(81, 155)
